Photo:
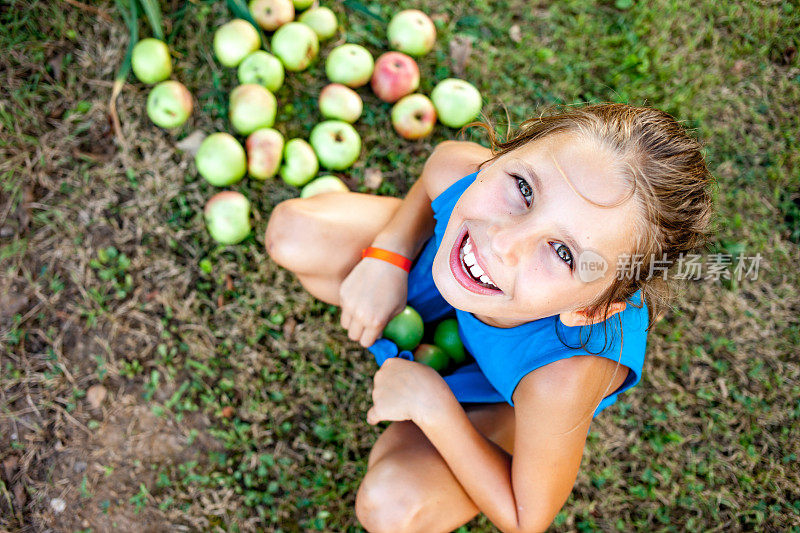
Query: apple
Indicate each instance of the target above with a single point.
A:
(405, 329)
(339, 102)
(322, 185)
(272, 14)
(395, 76)
(234, 40)
(296, 45)
(433, 356)
(264, 151)
(448, 339)
(350, 64)
(457, 102)
(150, 61)
(221, 159)
(336, 143)
(413, 116)
(169, 104)
(299, 163)
(263, 69)
(300, 5)
(227, 216)
(322, 20)
(412, 32)
(251, 107)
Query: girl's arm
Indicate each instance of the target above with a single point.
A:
(553, 410)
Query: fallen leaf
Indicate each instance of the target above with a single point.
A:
(373, 177)
(288, 327)
(515, 33)
(95, 396)
(191, 143)
(20, 495)
(460, 50)
(227, 411)
(10, 466)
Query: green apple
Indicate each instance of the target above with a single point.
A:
(457, 102)
(406, 329)
(251, 107)
(272, 14)
(433, 356)
(322, 20)
(169, 104)
(296, 45)
(339, 102)
(448, 339)
(300, 5)
(411, 32)
(413, 116)
(264, 153)
(234, 40)
(322, 185)
(262, 69)
(349, 64)
(221, 159)
(299, 163)
(227, 216)
(336, 143)
(150, 61)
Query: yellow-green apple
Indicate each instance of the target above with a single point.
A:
(339, 102)
(264, 152)
(300, 5)
(169, 104)
(251, 107)
(336, 143)
(322, 20)
(412, 32)
(323, 184)
(296, 45)
(350, 64)
(221, 159)
(272, 14)
(457, 102)
(234, 40)
(395, 76)
(263, 69)
(150, 61)
(299, 163)
(413, 116)
(227, 216)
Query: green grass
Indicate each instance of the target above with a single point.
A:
(255, 379)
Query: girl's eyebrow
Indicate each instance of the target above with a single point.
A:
(531, 174)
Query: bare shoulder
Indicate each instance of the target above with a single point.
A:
(572, 385)
(449, 162)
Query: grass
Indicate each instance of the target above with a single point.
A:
(236, 402)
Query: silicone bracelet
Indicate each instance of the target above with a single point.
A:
(389, 257)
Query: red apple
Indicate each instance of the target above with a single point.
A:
(413, 116)
(395, 76)
(264, 153)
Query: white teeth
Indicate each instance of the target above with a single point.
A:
(484, 278)
(469, 259)
(468, 256)
(476, 271)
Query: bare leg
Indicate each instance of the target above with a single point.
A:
(320, 238)
(408, 485)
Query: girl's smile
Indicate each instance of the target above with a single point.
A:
(514, 237)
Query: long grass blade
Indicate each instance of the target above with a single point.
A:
(240, 10)
(130, 15)
(153, 12)
(355, 5)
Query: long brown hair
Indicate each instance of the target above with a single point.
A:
(669, 181)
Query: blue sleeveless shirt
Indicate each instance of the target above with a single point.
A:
(503, 356)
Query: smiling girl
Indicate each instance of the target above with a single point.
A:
(542, 248)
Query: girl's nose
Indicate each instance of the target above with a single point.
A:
(506, 242)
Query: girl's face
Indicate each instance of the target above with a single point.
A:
(525, 228)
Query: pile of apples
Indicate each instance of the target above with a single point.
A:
(439, 352)
(333, 143)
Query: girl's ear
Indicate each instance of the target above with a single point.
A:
(580, 318)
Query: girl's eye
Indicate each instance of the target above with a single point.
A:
(563, 253)
(525, 189)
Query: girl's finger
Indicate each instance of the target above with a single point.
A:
(344, 320)
(369, 337)
(356, 328)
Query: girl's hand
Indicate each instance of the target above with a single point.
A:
(371, 295)
(405, 390)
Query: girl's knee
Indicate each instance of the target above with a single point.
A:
(281, 237)
(388, 500)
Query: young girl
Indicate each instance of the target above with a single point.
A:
(543, 248)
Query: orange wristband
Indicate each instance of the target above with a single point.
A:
(386, 255)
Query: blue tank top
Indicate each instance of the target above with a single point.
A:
(503, 356)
